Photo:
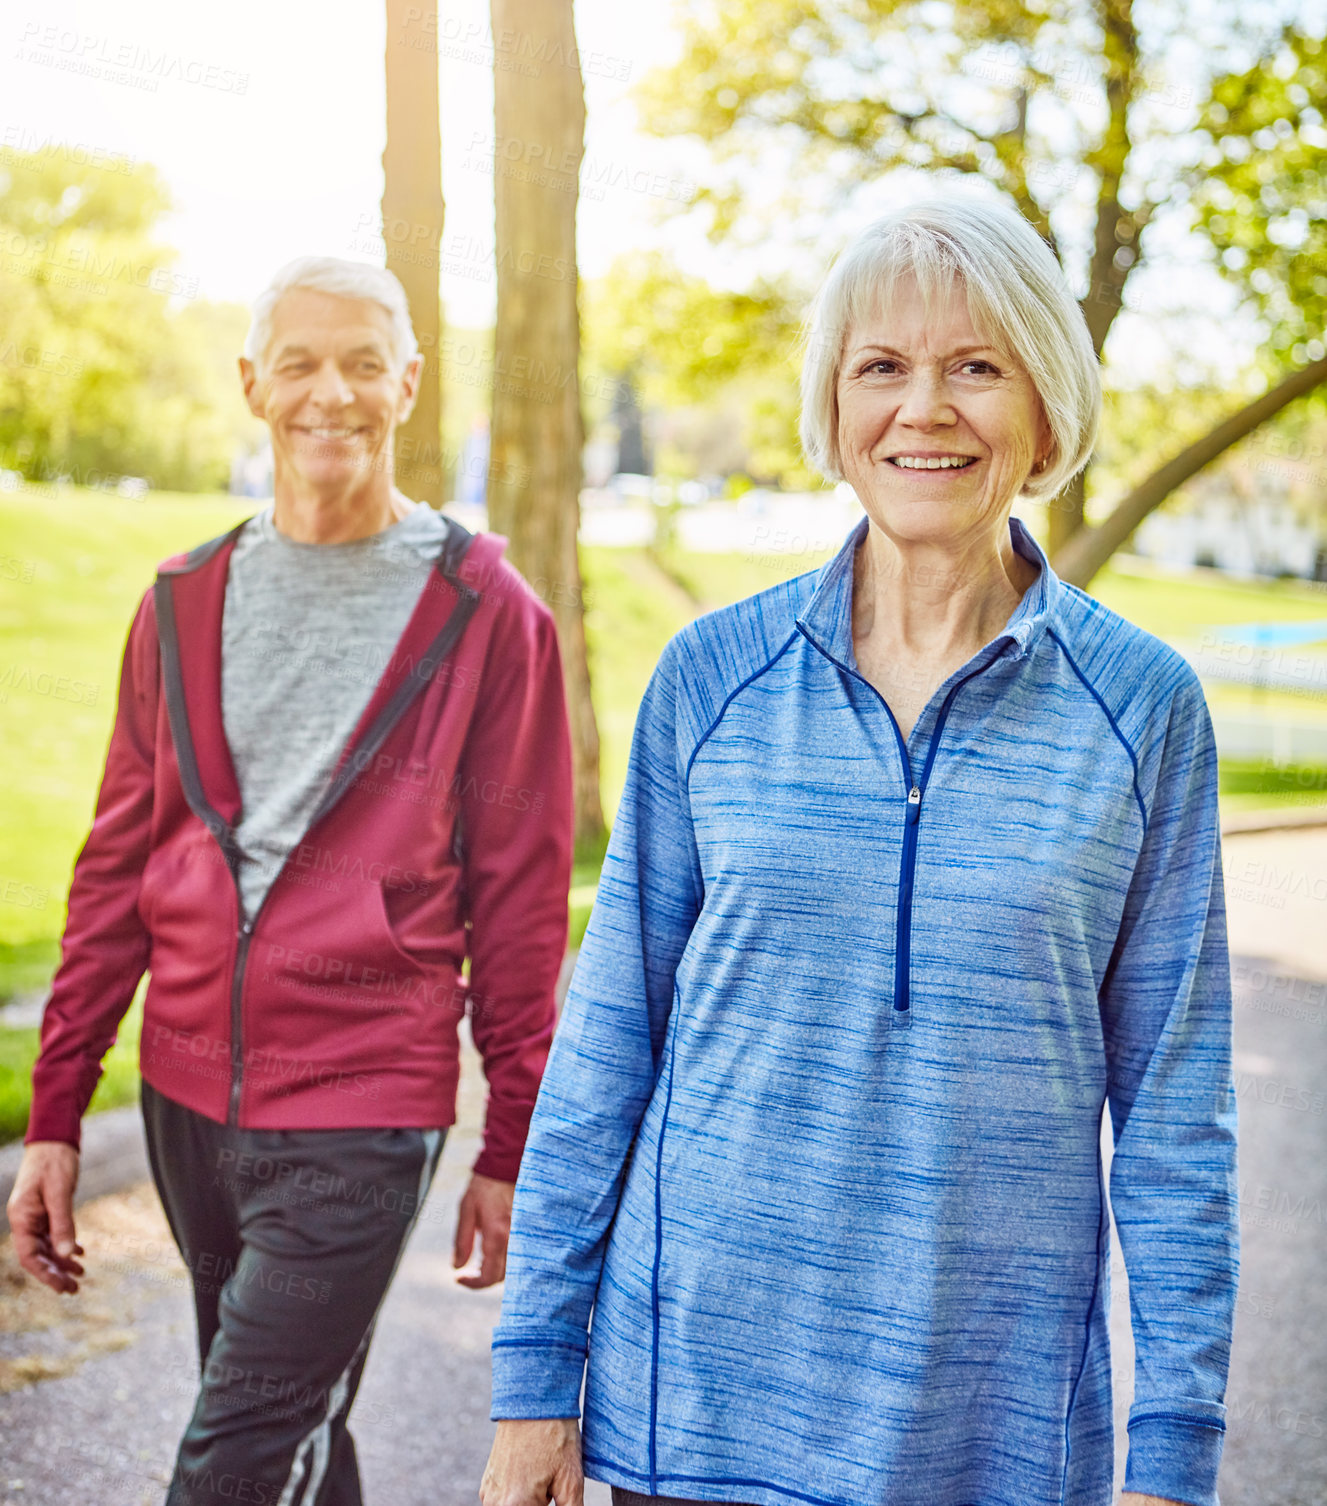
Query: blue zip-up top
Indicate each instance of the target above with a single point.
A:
(818, 1141)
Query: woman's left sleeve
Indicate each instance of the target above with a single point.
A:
(1166, 1015)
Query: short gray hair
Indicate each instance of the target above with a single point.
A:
(345, 279)
(1017, 298)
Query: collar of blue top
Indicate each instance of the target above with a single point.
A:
(827, 617)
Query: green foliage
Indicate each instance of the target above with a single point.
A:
(688, 347)
(108, 366)
(676, 337)
(839, 92)
(1063, 109)
(1260, 190)
(48, 194)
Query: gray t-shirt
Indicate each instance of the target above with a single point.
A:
(307, 632)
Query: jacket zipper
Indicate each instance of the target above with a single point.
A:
(244, 940)
(912, 811)
(225, 839)
(224, 836)
(237, 1025)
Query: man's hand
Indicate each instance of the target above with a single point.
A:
(1132, 1498)
(41, 1214)
(486, 1211)
(534, 1461)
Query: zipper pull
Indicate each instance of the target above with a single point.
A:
(914, 805)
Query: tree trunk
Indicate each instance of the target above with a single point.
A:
(537, 435)
(1115, 233)
(1089, 549)
(412, 212)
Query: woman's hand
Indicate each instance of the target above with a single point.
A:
(533, 1461)
(1132, 1498)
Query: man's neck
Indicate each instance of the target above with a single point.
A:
(308, 517)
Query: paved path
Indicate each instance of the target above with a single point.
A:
(111, 1376)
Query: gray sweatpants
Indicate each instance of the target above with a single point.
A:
(292, 1238)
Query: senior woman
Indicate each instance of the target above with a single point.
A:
(916, 867)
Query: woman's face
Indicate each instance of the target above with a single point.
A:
(937, 430)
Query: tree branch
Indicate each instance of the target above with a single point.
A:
(1089, 548)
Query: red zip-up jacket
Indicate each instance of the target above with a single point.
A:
(446, 830)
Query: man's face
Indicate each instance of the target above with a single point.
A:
(330, 389)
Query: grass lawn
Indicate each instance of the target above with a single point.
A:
(74, 564)
(18, 1051)
(83, 560)
(1181, 607)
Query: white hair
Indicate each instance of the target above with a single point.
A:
(1017, 298)
(345, 279)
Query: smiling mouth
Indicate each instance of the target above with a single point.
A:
(932, 462)
(329, 431)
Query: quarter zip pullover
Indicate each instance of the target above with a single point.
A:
(818, 1145)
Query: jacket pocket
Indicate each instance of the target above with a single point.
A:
(383, 911)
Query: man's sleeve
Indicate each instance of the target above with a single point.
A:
(105, 948)
(1166, 1013)
(600, 1075)
(516, 825)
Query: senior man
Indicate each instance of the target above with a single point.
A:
(340, 765)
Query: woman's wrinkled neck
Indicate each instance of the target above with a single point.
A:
(929, 599)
